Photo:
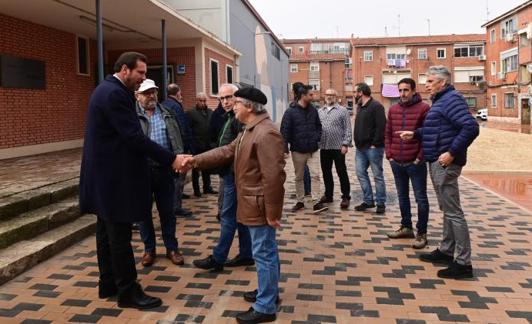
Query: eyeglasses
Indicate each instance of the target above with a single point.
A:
(226, 97)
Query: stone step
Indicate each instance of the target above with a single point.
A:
(25, 201)
(38, 221)
(23, 255)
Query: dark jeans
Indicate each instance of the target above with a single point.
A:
(205, 177)
(327, 157)
(179, 181)
(306, 181)
(163, 188)
(417, 174)
(116, 261)
(229, 224)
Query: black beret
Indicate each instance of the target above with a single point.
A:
(252, 94)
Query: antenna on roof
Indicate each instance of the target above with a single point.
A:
(487, 11)
(428, 23)
(399, 24)
(386, 31)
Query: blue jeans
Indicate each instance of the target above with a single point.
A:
(163, 188)
(371, 157)
(417, 174)
(307, 181)
(229, 224)
(266, 258)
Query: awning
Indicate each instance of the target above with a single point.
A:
(390, 90)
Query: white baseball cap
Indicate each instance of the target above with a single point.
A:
(147, 85)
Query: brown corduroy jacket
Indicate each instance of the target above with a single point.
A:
(258, 157)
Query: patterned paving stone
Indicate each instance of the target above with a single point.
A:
(336, 267)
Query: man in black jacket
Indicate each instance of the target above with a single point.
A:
(200, 118)
(368, 134)
(301, 129)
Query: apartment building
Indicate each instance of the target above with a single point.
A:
(382, 62)
(509, 65)
(322, 63)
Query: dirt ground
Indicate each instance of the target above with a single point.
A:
(499, 150)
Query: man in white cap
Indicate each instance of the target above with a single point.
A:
(160, 125)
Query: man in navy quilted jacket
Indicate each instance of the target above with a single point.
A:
(446, 134)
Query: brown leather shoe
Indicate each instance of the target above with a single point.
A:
(344, 204)
(175, 257)
(148, 259)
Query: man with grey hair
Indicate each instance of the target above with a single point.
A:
(227, 209)
(447, 132)
(258, 159)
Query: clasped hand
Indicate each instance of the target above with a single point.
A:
(182, 163)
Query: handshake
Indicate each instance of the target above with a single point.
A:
(183, 163)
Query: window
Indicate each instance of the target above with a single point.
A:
(368, 56)
(493, 68)
(229, 74)
(422, 54)
(493, 36)
(276, 51)
(348, 62)
(476, 78)
(314, 66)
(471, 102)
(508, 27)
(82, 45)
(509, 100)
(440, 53)
(509, 64)
(395, 56)
(289, 50)
(468, 50)
(301, 50)
(315, 84)
(329, 48)
(368, 79)
(493, 101)
(215, 82)
(294, 68)
(422, 78)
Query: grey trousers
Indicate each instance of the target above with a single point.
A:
(456, 239)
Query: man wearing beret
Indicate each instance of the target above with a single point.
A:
(258, 157)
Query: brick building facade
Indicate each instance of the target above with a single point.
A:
(509, 65)
(382, 62)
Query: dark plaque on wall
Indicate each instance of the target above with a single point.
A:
(17, 72)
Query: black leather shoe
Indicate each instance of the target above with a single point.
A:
(252, 316)
(210, 191)
(436, 256)
(197, 194)
(185, 196)
(251, 297)
(381, 209)
(239, 262)
(106, 290)
(363, 206)
(208, 264)
(456, 271)
(183, 212)
(136, 298)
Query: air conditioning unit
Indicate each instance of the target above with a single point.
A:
(509, 37)
(529, 67)
(501, 75)
(482, 57)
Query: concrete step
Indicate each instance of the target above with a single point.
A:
(22, 202)
(23, 255)
(30, 224)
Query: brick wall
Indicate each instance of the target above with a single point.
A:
(175, 56)
(57, 113)
(212, 99)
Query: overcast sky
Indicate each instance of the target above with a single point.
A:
(368, 18)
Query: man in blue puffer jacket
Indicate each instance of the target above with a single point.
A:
(446, 134)
(301, 129)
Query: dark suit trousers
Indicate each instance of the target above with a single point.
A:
(327, 157)
(115, 254)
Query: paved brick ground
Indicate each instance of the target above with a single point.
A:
(338, 266)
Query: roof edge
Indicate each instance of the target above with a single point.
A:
(507, 13)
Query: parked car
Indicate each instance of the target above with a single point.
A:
(482, 114)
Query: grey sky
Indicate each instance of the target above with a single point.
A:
(337, 18)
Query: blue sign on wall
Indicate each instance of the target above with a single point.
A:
(181, 69)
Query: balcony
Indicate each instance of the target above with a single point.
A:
(314, 74)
